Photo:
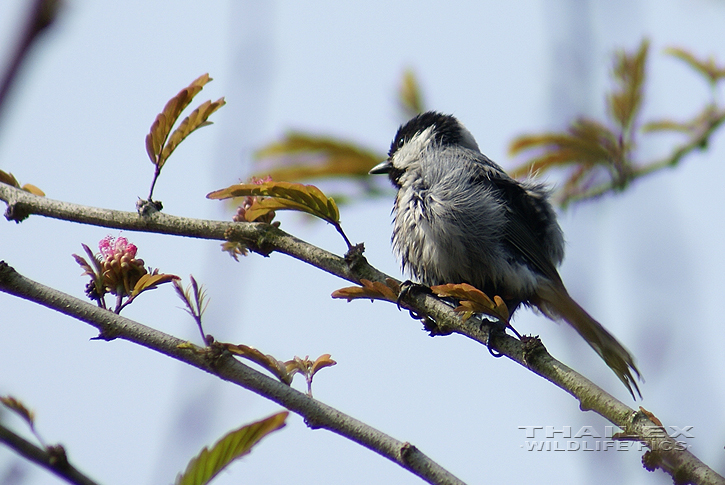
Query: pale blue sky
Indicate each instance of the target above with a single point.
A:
(648, 263)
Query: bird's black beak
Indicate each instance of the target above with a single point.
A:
(381, 168)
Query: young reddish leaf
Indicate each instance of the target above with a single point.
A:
(87, 270)
(309, 368)
(235, 249)
(202, 468)
(150, 281)
(33, 190)
(320, 363)
(8, 178)
(473, 300)
(94, 271)
(197, 119)
(373, 290)
(283, 196)
(276, 367)
(501, 308)
(161, 127)
(20, 409)
(651, 416)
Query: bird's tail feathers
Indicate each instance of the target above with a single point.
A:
(554, 301)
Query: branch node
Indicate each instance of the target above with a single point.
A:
(58, 457)
(146, 208)
(407, 451)
(17, 212)
(354, 257)
(107, 333)
(531, 345)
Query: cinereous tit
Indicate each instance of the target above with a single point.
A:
(459, 218)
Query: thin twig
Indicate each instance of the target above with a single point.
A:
(41, 15)
(698, 141)
(52, 460)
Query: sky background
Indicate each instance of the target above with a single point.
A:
(647, 263)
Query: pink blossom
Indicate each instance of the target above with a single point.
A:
(112, 247)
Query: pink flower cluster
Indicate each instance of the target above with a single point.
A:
(111, 248)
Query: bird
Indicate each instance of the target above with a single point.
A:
(458, 217)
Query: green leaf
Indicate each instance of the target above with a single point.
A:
(410, 96)
(629, 73)
(233, 445)
(586, 142)
(707, 68)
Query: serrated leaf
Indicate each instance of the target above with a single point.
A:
(301, 156)
(20, 409)
(151, 281)
(197, 119)
(161, 127)
(232, 446)
(373, 290)
(282, 196)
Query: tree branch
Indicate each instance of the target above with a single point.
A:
(223, 365)
(53, 459)
(264, 238)
(41, 16)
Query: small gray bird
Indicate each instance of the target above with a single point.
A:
(459, 218)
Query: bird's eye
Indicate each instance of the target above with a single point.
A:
(401, 142)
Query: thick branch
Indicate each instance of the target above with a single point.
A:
(316, 414)
(265, 238)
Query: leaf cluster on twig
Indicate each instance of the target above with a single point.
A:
(161, 142)
(272, 196)
(599, 156)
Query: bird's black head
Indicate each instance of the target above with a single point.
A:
(446, 130)
(416, 137)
